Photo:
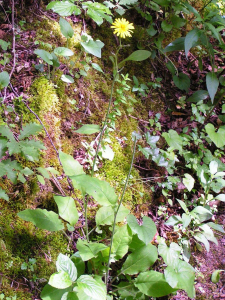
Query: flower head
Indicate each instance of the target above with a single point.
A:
(122, 27)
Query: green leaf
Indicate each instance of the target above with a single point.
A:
(173, 139)
(79, 263)
(146, 231)
(71, 167)
(188, 181)
(201, 238)
(203, 213)
(166, 26)
(212, 84)
(214, 32)
(153, 284)
(100, 190)
(62, 51)
(3, 146)
(191, 40)
(176, 45)
(64, 263)
(51, 293)
(181, 277)
(3, 195)
(169, 254)
(43, 172)
(42, 218)
(4, 44)
(4, 79)
(198, 96)
(105, 215)
(29, 129)
(107, 152)
(5, 131)
(88, 129)
(182, 81)
(67, 79)
(91, 46)
(67, 209)
(178, 22)
(213, 167)
(216, 276)
(45, 55)
(121, 241)
(89, 288)
(220, 197)
(70, 296)
(66, 28)
(140, 260)
(218, 137)
(64, 8)
(60, 280)
(89, 250)
(97, 67)
(216, 226)
(138, 55)
(55, 60)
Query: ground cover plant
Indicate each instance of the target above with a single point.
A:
(111, 149)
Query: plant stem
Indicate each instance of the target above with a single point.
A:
(120, 202)
(86, 220)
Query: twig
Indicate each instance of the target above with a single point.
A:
(13, 41)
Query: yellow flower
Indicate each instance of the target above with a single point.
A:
(122, 27)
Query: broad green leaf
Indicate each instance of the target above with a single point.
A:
(173, 139)
(89, 288)
(121, 241)
(220, 197)
(66, 28)
(171, 68)
(166, 26)
(51, 293)
(213, 167)
(60, 280)
(201, 238)
(198, 96)
(4, 44)
(138, 55)
(140, 260)
(214, 32)
(100, 190)
(4, 79)
(216, 226)
(89, 250)
(67, 79)
(67, 209)
(173, 220)
(182, 81)
(55, 60)
(176, 45)
(43, 172)
(88, 129)
(146, 231)
(71, 166)
(105, 215)
(169, 254)
(64, 8)
(181, 277)
(186, 220)
(5, 131)
(216, 276)
(136, 243)
(177, 21)
(79, 263)
(208, 233)
(188, 181)
(191, 39)
(153, 284)
(45, 55)
(42, 218)
(203, 213)
(97, 67)
(107, 152)
(91, 46)
(212, 84)
(3, 195)
(3, 146)
(218, 137)
(64, 263)
(62, 51)
(70, 296)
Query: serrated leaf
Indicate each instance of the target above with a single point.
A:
(191, 39)
(89, 288)
(60, 280)
(153, 284)
(29, 129)
(64, 263)
(45, 55)
(67, 209)
(88, 129)
(140, 260)
(89, 250)
(218, 137)
(146, 231)
(100, 190)
(64, 8)
(66, 28)
(63, 51)
(3, 146)
(212, 84)
(5, 131)
(70, 165)
(42, 218)
(182, 81)
(188, 181)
